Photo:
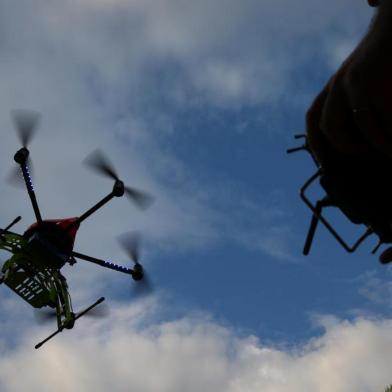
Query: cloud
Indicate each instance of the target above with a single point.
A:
(80, 78)
(113, 74)
(227, 53)
(376, 286)
(131, 351)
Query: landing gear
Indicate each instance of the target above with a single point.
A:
(74, 319)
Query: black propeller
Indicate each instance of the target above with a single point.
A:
(26, 122)
(100, 163)
(131, 243)
(14, 177)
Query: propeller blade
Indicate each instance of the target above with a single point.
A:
(26, 122)
(101, 164)
(15, 176)
(142, 288)
(142, 199)
(131, 242)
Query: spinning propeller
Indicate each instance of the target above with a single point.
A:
(26, 123)
(131, 242)
(100, 164)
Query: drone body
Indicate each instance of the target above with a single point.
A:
(33, 270)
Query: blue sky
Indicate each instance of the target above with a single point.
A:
(196, 103)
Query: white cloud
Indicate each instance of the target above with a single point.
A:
(86, 66)
(130, 351)
(376, 286)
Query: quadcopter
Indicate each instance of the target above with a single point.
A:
(33, 271)
(356, 186)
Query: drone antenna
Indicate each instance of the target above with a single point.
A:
(295, 149)
(304, 147)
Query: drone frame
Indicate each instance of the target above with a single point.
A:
(318, 207)
(21, 157)
(53, 285)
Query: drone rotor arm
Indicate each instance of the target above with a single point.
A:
(105, 264)
(14, 222)
(26, 122)
(21, 158)
(30, 190)
(93, 209)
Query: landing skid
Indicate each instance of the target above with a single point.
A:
(82, 313)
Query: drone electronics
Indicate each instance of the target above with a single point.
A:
(33, 271)
(358, 187)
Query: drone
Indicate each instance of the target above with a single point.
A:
(356, 186)
(33, 271)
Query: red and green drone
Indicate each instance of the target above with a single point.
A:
(33, 270)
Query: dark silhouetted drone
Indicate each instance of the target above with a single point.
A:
(33, 270)
(359, 188)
